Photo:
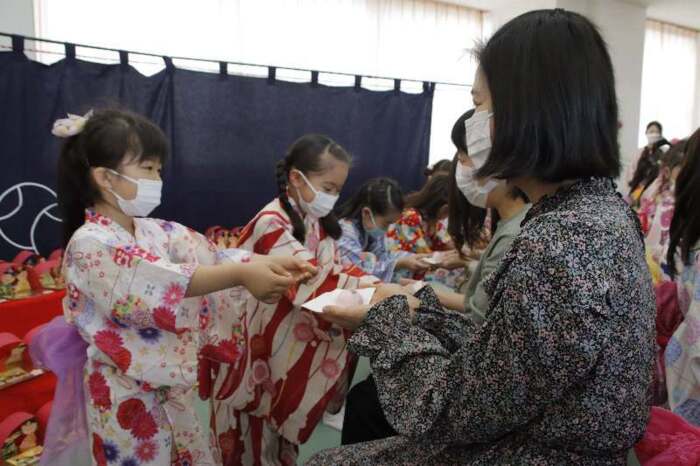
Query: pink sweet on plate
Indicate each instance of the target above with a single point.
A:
(348, 298)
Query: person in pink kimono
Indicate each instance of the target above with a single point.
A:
(145, 295)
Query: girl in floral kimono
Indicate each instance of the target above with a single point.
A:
(142, 294)
(297, 365)
(683, 350)
(422, 229)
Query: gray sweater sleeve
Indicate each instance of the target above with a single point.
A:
(476, 304)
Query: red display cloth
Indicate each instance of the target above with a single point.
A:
(21, 316)
(27, 396)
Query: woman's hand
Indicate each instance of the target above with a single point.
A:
(346, 317)
(413, 262)
(352, 317)
(387, 290)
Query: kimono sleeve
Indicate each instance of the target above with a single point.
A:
(137, 301)
(275, 239)
(379, 263)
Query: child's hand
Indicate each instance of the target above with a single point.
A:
(451, 260)
(413, 262)
(301, 270)
(266, 280)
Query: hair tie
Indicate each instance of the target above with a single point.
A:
(67, 127)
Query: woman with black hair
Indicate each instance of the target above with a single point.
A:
(683, 259)
(647, 167)
(656, 206)
(365, 218)
(560, 370)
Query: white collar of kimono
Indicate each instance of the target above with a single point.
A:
(122, 234)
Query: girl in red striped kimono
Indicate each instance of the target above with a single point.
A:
(297, 364)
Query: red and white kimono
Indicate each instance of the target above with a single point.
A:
(296, 363)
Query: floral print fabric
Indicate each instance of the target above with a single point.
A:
(369, 254)
(558, 373)
(411, 234)
(683, 350)
(126, 296)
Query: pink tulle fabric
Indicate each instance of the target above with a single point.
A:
(59, 348)
(669, 441)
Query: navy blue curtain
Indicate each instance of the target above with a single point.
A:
(226, 134)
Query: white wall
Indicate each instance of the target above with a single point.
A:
(505, 11)
(622, 26)
(17, 17)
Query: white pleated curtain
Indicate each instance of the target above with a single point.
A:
(409, 39)
(670, 80)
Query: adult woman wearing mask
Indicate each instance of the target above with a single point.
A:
(646, 168)
(559, 372)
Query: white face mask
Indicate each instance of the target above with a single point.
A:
(653, 137)
(469, 186)
(478, 137)
(322, 203)
(148, 194)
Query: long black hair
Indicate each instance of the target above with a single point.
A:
(432, 197)
(657, 124)
(441, 166)
(648, 166)
(381, 195)
(465, 221)
(110, 137)
(685, 226)
(305, 155)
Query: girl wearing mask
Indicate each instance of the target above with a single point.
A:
(683, 260)
(297, 365)
(473, 196)
(656, 210)
(422, 229)
(365, 218)
(143, 299)
(560, 370)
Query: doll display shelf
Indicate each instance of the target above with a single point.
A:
(29, 392)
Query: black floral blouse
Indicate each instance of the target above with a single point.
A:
(557, 375)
